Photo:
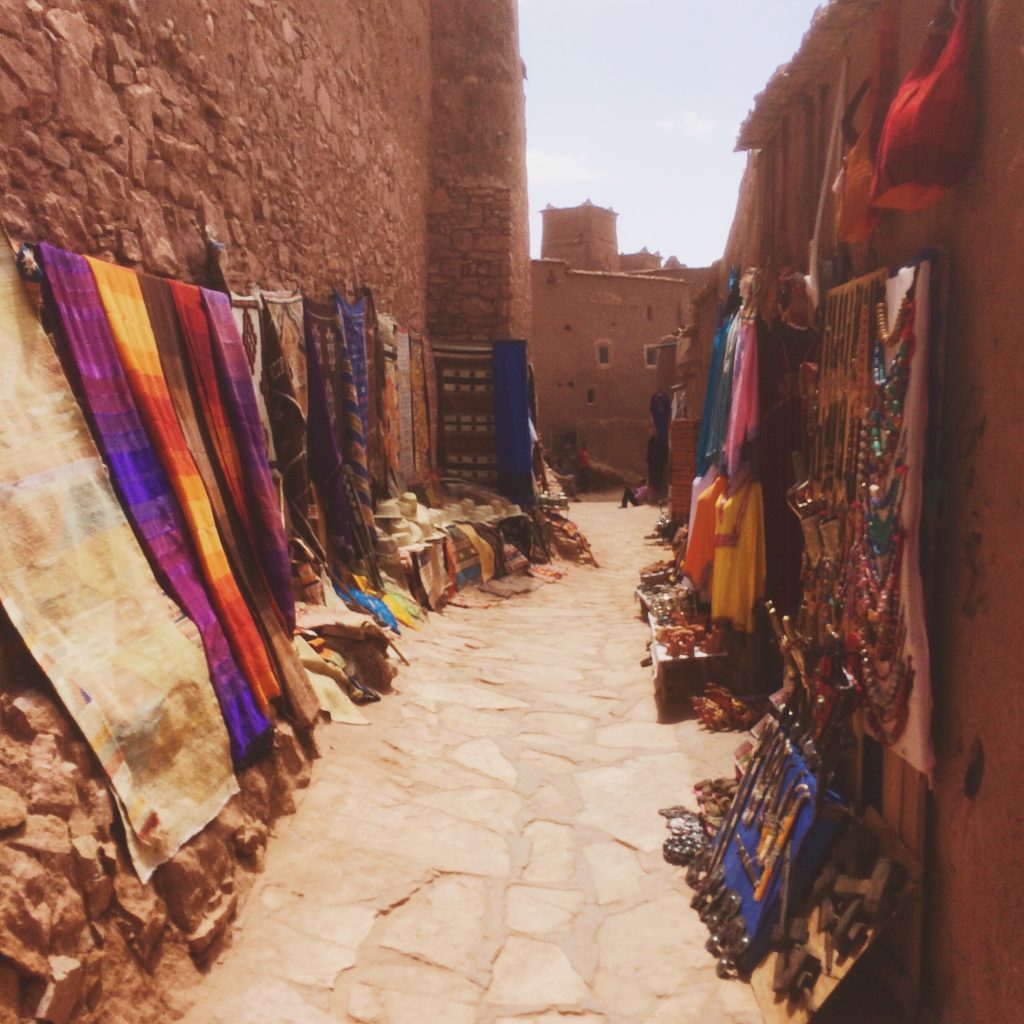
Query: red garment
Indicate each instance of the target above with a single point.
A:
(928, 137)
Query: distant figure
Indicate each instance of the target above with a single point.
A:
(657, 462)
(634, 495)
(583, 468)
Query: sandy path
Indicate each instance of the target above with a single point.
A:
(490, 849)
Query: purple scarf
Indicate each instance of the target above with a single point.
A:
(240, 402)
(142, 485)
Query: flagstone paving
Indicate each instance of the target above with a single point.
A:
(489, 852)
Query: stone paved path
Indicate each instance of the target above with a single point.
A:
(490, 849)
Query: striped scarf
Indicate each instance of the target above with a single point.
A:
(142, 485)
(136, 345)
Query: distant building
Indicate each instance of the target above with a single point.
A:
(606, 330)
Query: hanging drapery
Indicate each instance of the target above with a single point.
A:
(145, 491)
(354, 436)
(465, 374)
(420, 414)
(246, 311)
(269, 540)
(513, 442)
(406, 452)
(136, 346)
(123, 660)
(247, 574)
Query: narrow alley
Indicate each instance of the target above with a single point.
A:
(490, 850)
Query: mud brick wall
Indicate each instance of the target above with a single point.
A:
(309, 135)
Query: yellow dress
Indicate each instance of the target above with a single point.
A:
(700, 548)
(739, 571)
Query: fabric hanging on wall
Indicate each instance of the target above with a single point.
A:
(142, 485)
(484, 551)
(420, 415)
(513, 442)
(246, 311)
(465, 377)
(247, 574)
(325, 425)
(718, 425)
(739, 568)
(269, 539)
(855, 217)
(354, 439)
(284, 352)
(714, 379)
(467, 559)
(745, 407)
(136, 346)
(389, 419)
(406, 451)
(127, 665)
(353, 323)
(244, 467)
(430, 375)
(700, 547)
(930, 132)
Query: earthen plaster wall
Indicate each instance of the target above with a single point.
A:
(973, 943)
(585, 237)
(320, 141)
(573, 313)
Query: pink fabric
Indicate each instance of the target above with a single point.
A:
(745, 413)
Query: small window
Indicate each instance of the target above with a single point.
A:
(604, 355)
(591, 396)
(650, 356)
(650, 313)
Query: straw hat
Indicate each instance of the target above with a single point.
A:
(388, 509)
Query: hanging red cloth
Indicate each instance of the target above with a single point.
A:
(929, 135)
(856, 218)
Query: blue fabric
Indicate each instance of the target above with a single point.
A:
(714, 377)
(514, 448)
(353, 320)
(368, 603)
(810, 841)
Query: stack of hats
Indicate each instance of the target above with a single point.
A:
(404, 524)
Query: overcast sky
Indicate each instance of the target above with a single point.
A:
(635, 104)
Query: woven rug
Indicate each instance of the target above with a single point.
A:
(467, 560)
(354, 439)
(246, 311)
(389, 419)
(421, 452)
(353, 322)
(465, 380)
(136, 347)
(403, 380)
(142, 485)
(123, 660)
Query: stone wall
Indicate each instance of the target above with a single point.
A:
(309, 135)
(586, 237)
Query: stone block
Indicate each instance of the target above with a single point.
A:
(63, 990)
(31, 714)
(13, 810)
(25, 915)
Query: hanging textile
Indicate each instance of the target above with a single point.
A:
(326, 425)
(136, 346)
(718, 425)
(700, 547)
(745, 407)
(269, 539)
(142, 485)
(284, 351)
(246, 311)
(403, 378)
(171, 345)
(430, 375)
(855, 217)
(465, 374)
(420, 416)
(123, 660)
(354, 439)
(739, 568)
(389, 416)
(929, 135)
(467, 559)
(513, 443)
(484, 551)
(714, 379)
(353, 323)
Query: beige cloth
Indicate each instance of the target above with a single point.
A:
(126, 663)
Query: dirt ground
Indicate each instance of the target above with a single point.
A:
(489, 849)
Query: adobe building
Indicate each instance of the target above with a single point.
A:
(606, 328)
